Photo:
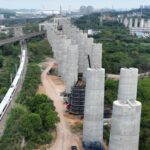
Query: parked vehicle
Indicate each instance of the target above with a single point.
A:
(74, 148)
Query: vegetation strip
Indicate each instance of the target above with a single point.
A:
(34, 117)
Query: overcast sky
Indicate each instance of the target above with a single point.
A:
(72, 4)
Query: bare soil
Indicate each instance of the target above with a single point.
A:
(52, 86)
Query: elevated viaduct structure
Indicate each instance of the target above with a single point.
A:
(24, 37)
(137, 26)
(76, 54)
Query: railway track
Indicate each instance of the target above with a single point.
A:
(9, 100)
(24, 37)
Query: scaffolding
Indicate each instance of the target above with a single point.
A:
(77, 98)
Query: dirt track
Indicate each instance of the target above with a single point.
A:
(53, 86)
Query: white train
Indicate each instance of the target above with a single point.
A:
(10, 93)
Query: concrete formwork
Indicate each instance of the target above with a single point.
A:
(125, 126)
(94, 106)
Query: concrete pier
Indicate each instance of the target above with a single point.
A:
(125, 126)
(94, 106)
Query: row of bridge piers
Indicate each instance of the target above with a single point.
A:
(137, 26)
(135, 22)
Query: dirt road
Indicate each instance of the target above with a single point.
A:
(53, 86)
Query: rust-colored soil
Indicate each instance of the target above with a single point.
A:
(52, 87)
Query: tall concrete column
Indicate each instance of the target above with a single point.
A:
(40, 27)
(18, 31)
(148, 23)
(136, 22)
(142, 23)
(96, 55)
(52, 36)
(126, 115)
(130, 23)
(126, 22)
(61, 51)
(81, 41)
(94, 106)
(88, 51)
(72, 67)
(121, 20)
(64, 63)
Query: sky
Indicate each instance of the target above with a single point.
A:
(71, 4)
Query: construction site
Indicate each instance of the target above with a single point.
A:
(78, 63)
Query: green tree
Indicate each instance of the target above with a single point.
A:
(1, 61)
(29, 124)
(48, 115)
(34, 102)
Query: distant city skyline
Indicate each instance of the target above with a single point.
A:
(70, 4)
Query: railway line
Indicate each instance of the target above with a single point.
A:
(24, 37)
(9, 99)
